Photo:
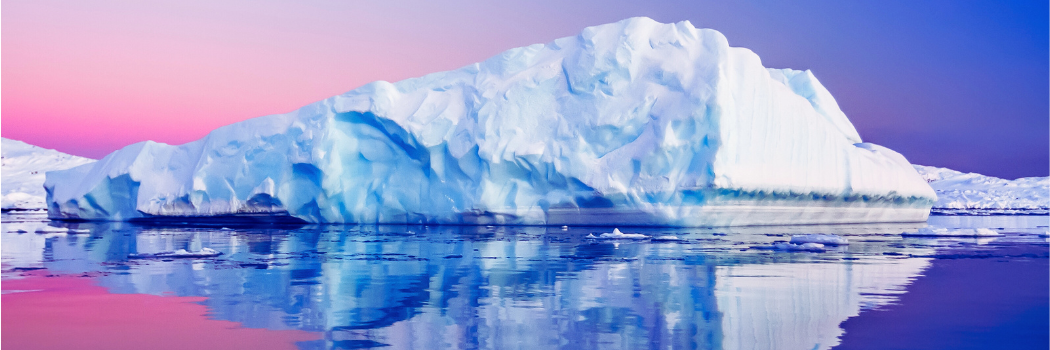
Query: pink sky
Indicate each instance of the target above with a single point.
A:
(89, 77)
(66, 312)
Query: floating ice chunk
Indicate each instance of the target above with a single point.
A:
(616, 234)
(793, 247)
(822, 239)
(666, 239)
(952, 232)
(808, 247)
(181, 253)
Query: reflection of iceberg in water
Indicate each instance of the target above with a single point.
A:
(799, 306)
(478, 287)
(1014, 223)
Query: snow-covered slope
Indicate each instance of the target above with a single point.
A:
(976, 194)
(23, 167)
(635, 122)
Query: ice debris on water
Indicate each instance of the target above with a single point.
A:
(666, 239)
(793, 247)
(181, 253)
(834, 240)
(952, 232)
(616, 234)
(50, 229)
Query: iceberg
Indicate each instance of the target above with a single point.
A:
(23, 168)
(630, 123)
(975, 194)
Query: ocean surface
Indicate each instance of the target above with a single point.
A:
(126, 286)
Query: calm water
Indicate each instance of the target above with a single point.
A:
(416, 287)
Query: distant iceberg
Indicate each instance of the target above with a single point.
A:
(630, 123)
(975, 194)
(952, 232)
(22, 172)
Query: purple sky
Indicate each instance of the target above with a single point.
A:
(958, 84)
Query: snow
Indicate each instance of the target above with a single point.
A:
(952, 232)
(630, 123)
(819, 238)
(976, 194)
(22, 172)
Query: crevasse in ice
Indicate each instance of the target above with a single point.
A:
(634, 122)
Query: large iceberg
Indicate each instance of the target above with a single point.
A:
(23, 168)
(630, 123)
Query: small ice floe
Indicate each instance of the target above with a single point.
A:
(794, 247)
(181, 253)
(666, 239)
(952, 232)
(820, 239)
(49, 229)
(616, 234)
(564, 228)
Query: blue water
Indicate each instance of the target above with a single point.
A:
(418, 287)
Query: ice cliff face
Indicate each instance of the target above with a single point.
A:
(635, 122)
(23, 170)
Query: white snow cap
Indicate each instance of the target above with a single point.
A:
(634, 122)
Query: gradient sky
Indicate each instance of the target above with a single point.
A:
(959, 84)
